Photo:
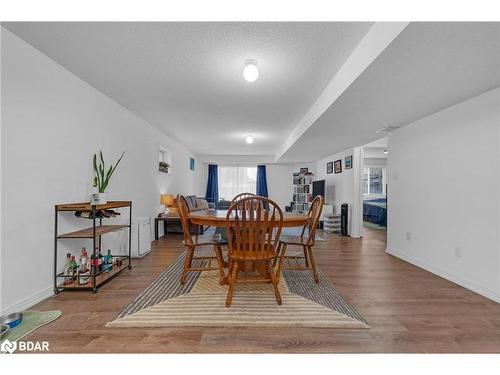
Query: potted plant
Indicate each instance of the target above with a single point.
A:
(101, 179)
(164, 166)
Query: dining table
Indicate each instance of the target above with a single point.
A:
(217, 218)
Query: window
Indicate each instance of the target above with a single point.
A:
(374, 180)
(236, 179)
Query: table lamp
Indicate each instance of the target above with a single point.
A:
(167, 200)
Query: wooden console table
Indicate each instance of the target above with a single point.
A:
(173, 218)
(165, 219)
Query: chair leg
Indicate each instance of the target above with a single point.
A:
(274, 281)
(232, 280)
(280, 263)
(278, 252)
(313, 264)
(306, 258)
(187, 264)
(220, 262)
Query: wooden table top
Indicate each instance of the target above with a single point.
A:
(217, 218)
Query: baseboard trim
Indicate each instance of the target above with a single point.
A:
(459, 280)
(29, 301)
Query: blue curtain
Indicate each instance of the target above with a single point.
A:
(261, 181)
(212, 194)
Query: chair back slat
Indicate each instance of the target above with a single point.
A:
(313, 215)
(241, 196)
(254, 231)
(183, 214)
(245, 195)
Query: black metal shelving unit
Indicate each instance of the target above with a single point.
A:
(120, 262)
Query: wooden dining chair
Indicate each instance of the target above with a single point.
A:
(241, 196)
(247, 195)
(191, 243)
(253, 238)
(305, 240)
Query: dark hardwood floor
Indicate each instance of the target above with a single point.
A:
(408, 309)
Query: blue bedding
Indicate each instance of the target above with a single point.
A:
(375, 211)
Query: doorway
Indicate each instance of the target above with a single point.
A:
(374, 184)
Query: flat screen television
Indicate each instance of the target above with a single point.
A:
(319, 188)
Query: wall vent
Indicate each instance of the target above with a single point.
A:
(387, 129)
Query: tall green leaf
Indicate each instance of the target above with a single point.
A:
(103, 176)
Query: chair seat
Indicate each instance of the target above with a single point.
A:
(293, 240)
(205, 239)
(253, 257)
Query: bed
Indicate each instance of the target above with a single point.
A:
(375, 211)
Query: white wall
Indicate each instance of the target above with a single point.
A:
(345, 186)
(443, 183)
(200, 179)
(280, 183)
(52, 123)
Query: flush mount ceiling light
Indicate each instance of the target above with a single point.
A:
(249, 139)
(251, 71)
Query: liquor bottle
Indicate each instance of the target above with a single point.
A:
(67, 270)
(100, 265)
(84, 259)
(93, 268)
(73, 266)
(109, 261)
(84, 272)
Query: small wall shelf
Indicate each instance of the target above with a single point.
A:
(120, 262)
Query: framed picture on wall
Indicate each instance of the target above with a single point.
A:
(191, 164)
(338, 166)
(304, 170)
(348, 162)
(329, 167)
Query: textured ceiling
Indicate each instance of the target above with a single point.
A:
(428, 67)
(186, 78)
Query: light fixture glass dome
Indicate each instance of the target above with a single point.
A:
(251, 71)
(249, 139)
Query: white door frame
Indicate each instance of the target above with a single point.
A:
(357, 207)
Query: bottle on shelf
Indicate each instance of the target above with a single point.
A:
(84, 271)
(73, 266)
(67, 270)
(100, 265)
(109, 261)
(93, 264)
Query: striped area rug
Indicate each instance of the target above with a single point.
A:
(201, 303)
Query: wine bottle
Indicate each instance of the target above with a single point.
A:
(100, 265)
(93, 264)
(84, 272)
(73, 266)
(67, 270)
(109, 261)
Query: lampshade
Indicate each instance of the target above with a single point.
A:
(167, 199)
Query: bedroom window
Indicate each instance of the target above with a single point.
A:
(374, 180)
(236, 179)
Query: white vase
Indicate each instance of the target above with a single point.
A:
(98, 198)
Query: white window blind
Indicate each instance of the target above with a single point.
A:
(236, 179)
